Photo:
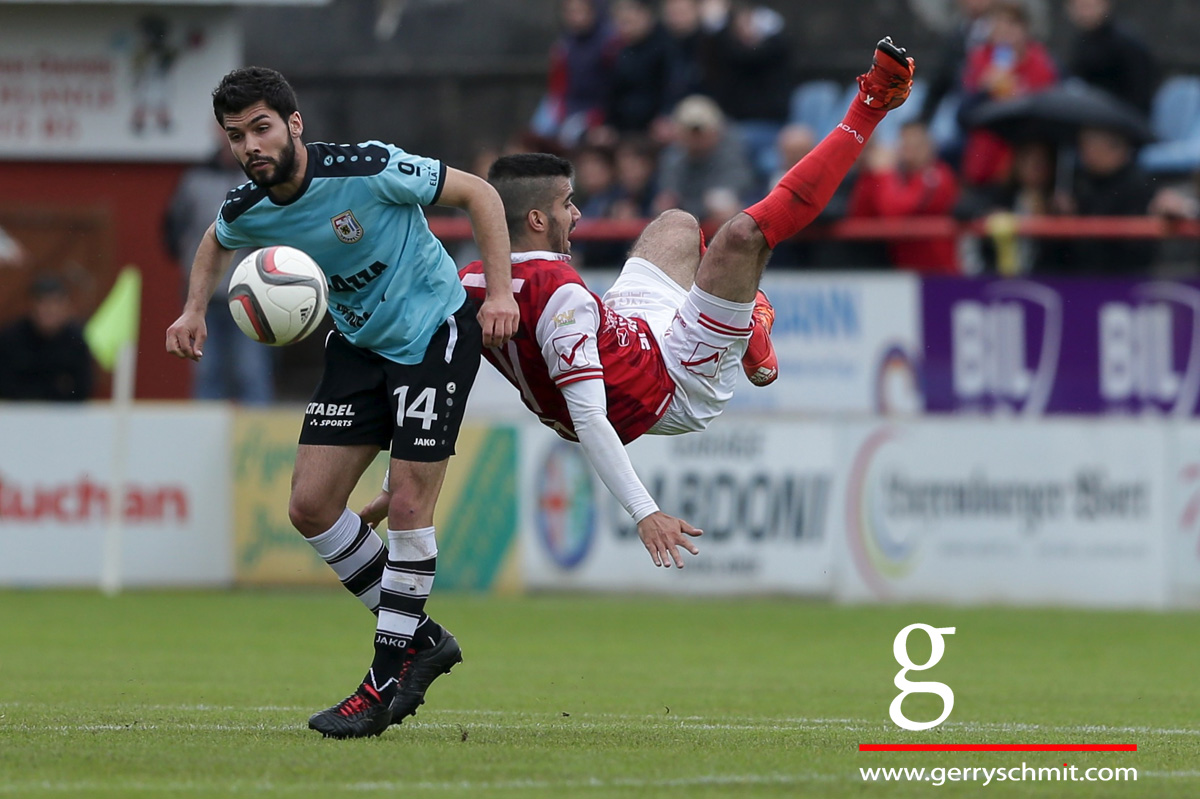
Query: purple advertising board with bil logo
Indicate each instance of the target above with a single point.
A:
(1033, 347)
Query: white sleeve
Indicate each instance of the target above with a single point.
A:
(602, 446)
(567, 331)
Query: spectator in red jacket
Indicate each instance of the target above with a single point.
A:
(1012, 63)
(918, 185)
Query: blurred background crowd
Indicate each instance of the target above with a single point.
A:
(1022, 109)
(694, 104)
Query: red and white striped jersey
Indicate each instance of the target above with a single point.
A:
(567, 334)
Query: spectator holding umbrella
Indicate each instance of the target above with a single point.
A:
(1108, 182)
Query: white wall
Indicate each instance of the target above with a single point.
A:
(55, 464)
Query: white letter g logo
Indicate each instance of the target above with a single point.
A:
(937, 649)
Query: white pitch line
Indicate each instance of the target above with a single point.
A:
(467, 786)
(526, 719)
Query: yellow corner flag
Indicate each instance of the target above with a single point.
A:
(115, 322)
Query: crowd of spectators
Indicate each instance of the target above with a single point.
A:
(690, 104)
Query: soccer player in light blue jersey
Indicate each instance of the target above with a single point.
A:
(398, 367)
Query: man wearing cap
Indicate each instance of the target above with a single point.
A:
(704, 171)
(43, 355)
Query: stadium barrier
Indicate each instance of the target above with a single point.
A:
(1090, 512)
(476, 518)
(1073, 512)
(55, 470)
(458, 228)
(760, 490)
(979, 511)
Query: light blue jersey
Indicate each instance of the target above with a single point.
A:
(358, 214)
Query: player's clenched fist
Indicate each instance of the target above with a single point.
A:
(662, 536)
(498, 316)
(185, 337)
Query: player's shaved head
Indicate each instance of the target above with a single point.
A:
(244, 87)
(526, 181)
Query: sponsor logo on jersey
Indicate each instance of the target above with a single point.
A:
(424, 442)
(565, 318)
(705, 360)
(570, 349)
(346, 227)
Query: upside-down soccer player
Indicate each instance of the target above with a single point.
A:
(661, 352)
(398, 367)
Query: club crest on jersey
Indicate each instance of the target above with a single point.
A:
(346, 227)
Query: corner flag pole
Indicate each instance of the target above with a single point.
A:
(124, 374)
(112, 335)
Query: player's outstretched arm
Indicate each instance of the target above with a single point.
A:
(499, 315)
(185, 337)
(662, 535)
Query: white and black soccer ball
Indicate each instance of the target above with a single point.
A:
(277, 295)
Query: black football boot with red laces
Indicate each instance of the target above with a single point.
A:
(363, 714)
(421, 668)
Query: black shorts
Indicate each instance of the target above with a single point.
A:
(364, 398)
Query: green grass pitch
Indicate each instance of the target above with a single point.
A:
(208, 695)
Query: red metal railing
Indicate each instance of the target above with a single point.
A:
(1102, 227)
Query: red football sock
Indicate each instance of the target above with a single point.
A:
(807, 187)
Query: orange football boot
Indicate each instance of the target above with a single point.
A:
(889, 80)
(760, 362)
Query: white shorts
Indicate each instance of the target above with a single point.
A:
(702, 339)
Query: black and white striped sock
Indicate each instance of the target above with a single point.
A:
(357, 556)
(407, 581)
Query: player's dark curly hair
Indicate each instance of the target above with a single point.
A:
(244, 87)
(526, 181)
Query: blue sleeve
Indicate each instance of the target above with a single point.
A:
(409, 179)
(229, 237)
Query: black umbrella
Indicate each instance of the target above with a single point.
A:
(1058, 113)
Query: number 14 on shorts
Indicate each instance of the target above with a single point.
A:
(422, 407)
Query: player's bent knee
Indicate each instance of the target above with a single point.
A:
(311, 517)
(670, 230)
(409, 513)
(742, 235)
(677, 217)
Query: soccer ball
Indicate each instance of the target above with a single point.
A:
(277, 295)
